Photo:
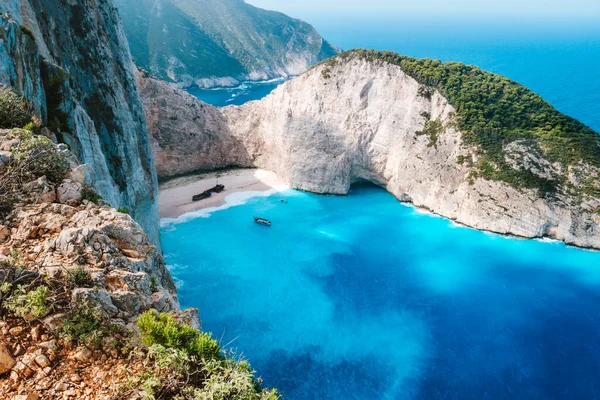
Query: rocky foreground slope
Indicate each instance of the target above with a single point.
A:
(527, 171)
(70, 268)
(71, 63)
(81, 289)
(218, 42)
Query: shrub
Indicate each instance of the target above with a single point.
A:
(229, 380)
(86, 325)
(153, 283)
(14, 111)
(15, 259)
(433, 129)
(26, 31)
(37, 156)
(172, 373)
(123, 210)
(90, 195)
(79, 278)
(162, 329)
(29, 304)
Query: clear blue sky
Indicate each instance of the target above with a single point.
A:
(521, 9)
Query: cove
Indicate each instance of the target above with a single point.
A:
(362, 297)
(237, 95)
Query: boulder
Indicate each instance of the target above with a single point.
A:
(49, 134)
(5, 159)
(189, 316)
(84, 354)
(42, 361)
(83, 174)
(6, 360)
(4, 233)
(162, 301)
(69, 192)
(127, 302)
(41, 191)
(97, 298)
(124, 280)
(55, 321)
(9, 144)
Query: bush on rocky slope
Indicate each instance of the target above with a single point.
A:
(29, 157)
(14, 112)
(184, 363)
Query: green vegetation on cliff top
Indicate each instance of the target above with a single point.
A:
(493, 111)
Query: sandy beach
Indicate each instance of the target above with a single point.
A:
(175, 196)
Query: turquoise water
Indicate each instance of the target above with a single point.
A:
(362, 297)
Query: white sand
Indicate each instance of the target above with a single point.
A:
(175, 196)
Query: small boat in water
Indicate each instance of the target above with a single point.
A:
(262, 221)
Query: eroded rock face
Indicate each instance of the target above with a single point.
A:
(362, 120)
(190, 135)
(77, 52)
(59, 237)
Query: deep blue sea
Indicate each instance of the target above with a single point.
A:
(362, 297)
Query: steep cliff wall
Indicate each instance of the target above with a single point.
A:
(72, 63)
(357, 119)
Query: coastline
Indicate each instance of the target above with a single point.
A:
(175, 196)
(175, 204)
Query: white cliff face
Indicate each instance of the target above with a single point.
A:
(361, 120)
(77, 72)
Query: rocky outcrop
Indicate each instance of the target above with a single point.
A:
(358, 120)
(218, 42)
(71, 62)
(100, 271)
(53, 228)
(190, 135)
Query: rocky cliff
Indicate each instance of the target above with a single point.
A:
(218, 42)
(188, 134)
(71, 62)
(361, 117)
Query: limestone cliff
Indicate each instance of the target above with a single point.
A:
(356, 118)
(71, 62)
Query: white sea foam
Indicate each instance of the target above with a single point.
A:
(232, 200)
(245, 85)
